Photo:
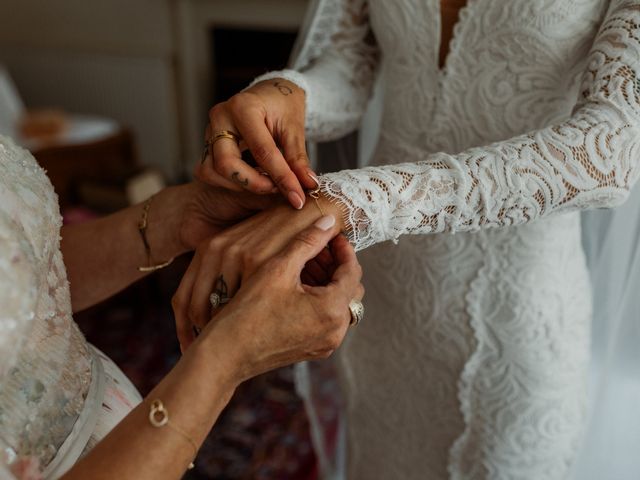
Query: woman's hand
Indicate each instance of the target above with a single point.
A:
(222, 263)
(269, 118)
(178, 219)
(182, 217)
(275, 319)
(210, 210)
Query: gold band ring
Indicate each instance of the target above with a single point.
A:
(218, 136)
(224, 134)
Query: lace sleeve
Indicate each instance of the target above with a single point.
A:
(339, 81)
(588, 161)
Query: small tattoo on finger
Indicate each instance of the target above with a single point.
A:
(235, 176)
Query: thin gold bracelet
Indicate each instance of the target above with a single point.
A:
(159, 417)
(315, 194)
(142, 228)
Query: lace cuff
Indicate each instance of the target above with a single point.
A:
(383, 203)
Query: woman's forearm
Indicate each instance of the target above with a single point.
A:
(194, 393)
(102, 257)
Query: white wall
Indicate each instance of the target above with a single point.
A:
(108, 57)
(109, 26)
(194, 19)
(143, 62)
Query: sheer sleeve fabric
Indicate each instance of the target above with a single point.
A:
(18, 294)
(590, 160)
(338, 83)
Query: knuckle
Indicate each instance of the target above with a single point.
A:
(277, 266)
(222, 163)
(334, 340)
(336, 316)
(299, 158)
(263, 154)
(215, 245)
(239, 101)
(249, 259)
(280, 180)
(325, 354)
(217, 111)
(235, 251)
(307, 239)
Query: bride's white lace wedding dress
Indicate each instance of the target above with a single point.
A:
(472, 359)
(58, 395)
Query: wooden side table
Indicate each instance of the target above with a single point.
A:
(108, 159)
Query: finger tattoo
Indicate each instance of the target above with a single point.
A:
(235, 176)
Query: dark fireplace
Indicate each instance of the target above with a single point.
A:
(241, 54)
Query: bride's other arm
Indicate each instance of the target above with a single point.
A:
(104, 256)
(589, 161)
(322, 99)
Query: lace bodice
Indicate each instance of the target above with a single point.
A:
(505, 63)
(45, 367)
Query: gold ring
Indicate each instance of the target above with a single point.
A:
(224, 134)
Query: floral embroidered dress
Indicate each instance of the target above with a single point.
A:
(58, 394)
(472, 360)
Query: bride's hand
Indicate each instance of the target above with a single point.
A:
(224, 261)
(275, 319)
(269, 118)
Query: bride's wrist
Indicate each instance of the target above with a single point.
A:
(319, 203)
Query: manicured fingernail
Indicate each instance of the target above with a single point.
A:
(295, 200)
(326, 222)
(313, 177)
